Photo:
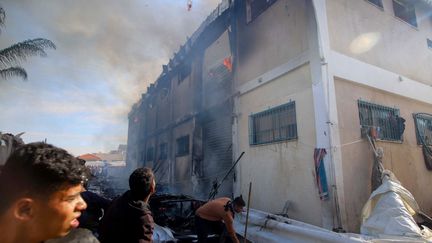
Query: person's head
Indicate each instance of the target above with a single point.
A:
(142, 183)
(238, 204)
(40, 188)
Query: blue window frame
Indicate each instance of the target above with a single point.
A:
(273, 125)
(385, 120)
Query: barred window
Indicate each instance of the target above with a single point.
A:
(182, 146)
(274, 125)
(384, 120)
(423, 124)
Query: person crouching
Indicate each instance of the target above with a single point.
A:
(217, 214)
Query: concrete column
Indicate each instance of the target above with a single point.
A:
(326, 119)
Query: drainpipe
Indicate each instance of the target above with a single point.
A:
(326, 119)
(233, 38)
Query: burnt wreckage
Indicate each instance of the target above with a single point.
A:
(177, 212)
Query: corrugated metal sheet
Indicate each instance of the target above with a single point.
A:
(217, 139)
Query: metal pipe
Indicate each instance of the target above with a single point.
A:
(247, 212)
(215, 190)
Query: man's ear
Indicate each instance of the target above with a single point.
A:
(153, 187)
(24, 209)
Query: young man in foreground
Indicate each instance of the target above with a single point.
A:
(40, 188)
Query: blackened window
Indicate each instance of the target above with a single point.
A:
(184, 72)
(256, 7)
(429, 43)
(423, 124)
(404, 9)
(377, 3)
(150, 154)
(163, 151)
(273, 125)
(384, 121)
(182, 146)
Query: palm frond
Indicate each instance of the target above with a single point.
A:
(20, 51)
(2, 16)
(12, 72)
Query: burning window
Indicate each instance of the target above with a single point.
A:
(404, 10)
(381, 121)
(423, 124)
(273, 125)
(377, 3)
(255, 7)
(182, 146)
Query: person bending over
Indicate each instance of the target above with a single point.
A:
(215, 215)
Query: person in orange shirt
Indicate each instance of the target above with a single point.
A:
(211, 217)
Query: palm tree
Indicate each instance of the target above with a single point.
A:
(10, 57)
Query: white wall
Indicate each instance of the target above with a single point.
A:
(283, 171)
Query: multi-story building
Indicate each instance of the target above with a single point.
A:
(279, 79)
(182, 126)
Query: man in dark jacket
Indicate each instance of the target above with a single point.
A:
(97, 206)
(129, 218)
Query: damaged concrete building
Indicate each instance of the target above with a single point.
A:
(182, 126)
(280, 80)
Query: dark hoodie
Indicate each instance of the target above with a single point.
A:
(127, 220)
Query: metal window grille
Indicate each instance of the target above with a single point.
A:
(150, 154)
(384, 119)
(218, 74)
(273, 125)
(423, 123)
(182, 146)
(377, 3)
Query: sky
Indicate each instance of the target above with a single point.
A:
(108, 52)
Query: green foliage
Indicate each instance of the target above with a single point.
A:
(11, 57)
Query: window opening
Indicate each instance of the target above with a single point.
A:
(274, 125)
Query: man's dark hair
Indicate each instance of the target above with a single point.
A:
(140, 181)
(239, 201)
(39, 169)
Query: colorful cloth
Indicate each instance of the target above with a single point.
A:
(320, 174)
